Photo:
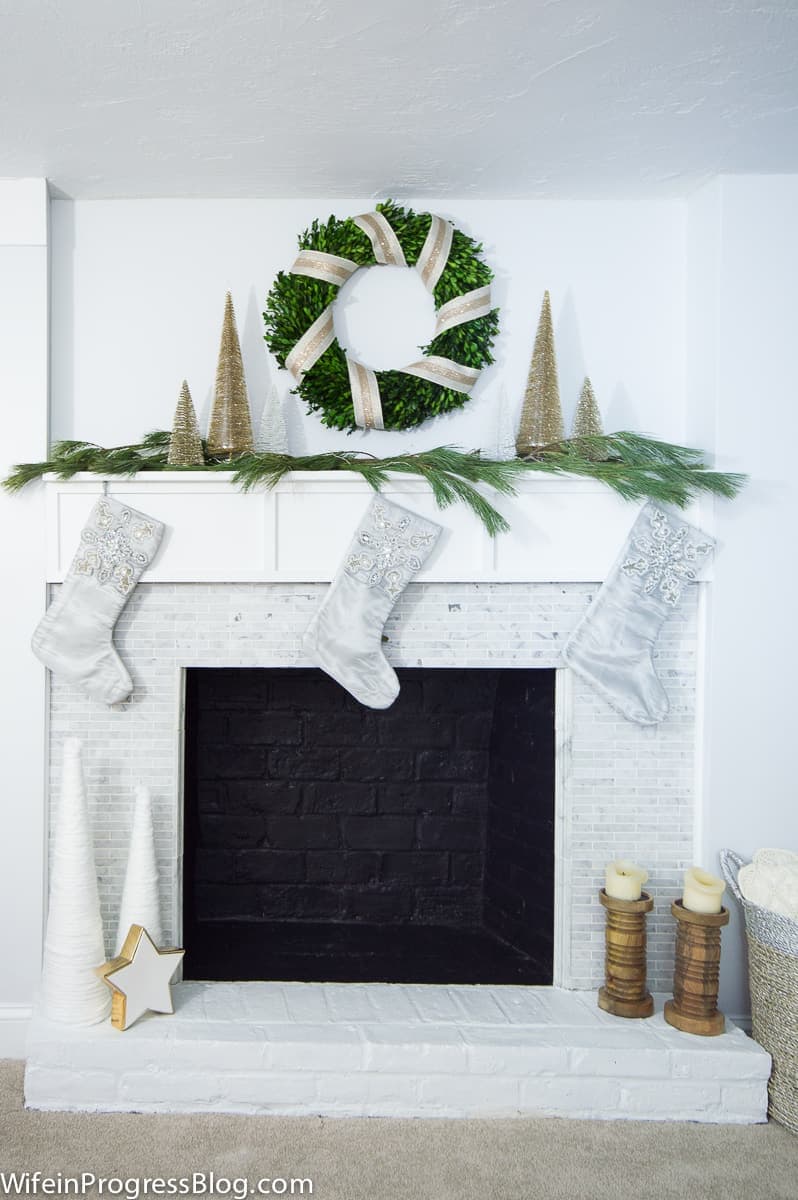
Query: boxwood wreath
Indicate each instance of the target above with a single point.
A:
(298, 300)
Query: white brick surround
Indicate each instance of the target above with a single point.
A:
(623, 790)
(344, 1050)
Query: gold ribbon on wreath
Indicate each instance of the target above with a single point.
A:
(331, 268)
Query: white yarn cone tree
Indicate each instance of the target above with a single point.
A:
(140, 895)
(74, 946)
(272, 434)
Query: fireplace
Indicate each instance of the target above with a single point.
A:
(239, 579)
(619, 788)
(232, 593)
(327, 841)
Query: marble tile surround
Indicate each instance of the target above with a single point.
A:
(623, 790)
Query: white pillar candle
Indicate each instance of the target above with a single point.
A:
(702, 891)
(624, 880)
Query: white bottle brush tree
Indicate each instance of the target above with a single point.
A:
(272, 433)
(504, 449)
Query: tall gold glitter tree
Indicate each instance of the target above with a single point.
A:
(587, 418)
(185, 444)
(541, 415)
(230, 430)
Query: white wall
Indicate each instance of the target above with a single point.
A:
(138, 292)
(23, 436)
(742, 317)
(138, 289)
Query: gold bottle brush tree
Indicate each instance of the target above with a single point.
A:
(587, 421)
(541, 416)
(185, 443)
(230, 430)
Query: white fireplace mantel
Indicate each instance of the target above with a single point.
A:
(563, 529)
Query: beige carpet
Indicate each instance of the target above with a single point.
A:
(412, 1160)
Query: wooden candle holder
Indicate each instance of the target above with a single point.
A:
(625, 993)
(694, 1007)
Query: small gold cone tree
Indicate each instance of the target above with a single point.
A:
(541, 415)
(185, 443)
(587, 418)
(230, 431)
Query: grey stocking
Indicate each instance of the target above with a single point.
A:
(75, 636)
(345, 636)
(612, 645)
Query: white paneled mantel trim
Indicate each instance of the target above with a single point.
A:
(563, 529)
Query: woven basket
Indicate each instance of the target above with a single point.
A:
(773, 970)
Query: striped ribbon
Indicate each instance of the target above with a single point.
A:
(365, 395)
(445, 372)
(463, 308)
(329, 267)
(435, 252)
(311, 345)
(384, 241)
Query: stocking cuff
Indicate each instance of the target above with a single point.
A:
(117, 545)
(390, 547)
(663, 554)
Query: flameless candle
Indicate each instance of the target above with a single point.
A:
(702, 891)
(625, 880)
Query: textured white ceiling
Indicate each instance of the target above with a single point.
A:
(362, 97)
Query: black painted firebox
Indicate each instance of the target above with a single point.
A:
(327, 841)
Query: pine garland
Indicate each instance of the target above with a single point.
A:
(633, 465)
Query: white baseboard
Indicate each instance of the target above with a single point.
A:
(14, 1021)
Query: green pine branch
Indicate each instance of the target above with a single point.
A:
(638, 467)
(634, 466)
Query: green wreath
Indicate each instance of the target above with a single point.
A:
(346, 395)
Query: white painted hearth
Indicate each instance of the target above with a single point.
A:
(350, 1050)
(236, 583)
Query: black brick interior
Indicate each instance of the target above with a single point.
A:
(327, 841)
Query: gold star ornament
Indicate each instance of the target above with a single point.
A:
(140, 978)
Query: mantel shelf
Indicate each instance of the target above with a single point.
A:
(563, 529)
